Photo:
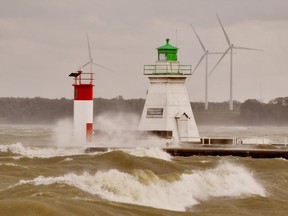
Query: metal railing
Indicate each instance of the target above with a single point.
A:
(167, 69)
(263, 140)
(84, 78)
(253, 140)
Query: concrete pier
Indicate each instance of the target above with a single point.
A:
(254, 153)
(213, 151)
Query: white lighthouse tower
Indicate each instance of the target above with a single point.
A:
(167, 111)
(83, 106)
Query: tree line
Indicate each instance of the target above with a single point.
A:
(274, 112)
(48, 111)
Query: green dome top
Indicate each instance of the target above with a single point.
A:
(167, 46)
(167, 52)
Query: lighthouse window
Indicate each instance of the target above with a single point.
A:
(154, 113)
(162, 56)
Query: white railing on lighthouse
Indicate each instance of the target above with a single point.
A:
(167, 69)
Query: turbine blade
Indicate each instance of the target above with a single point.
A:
(246, 48)
(202, 45)
(103, 67)
(198, 63)
(89, 49)
(215, 53)
(218, 53)
(220, 60)
(86, 64)
(226, 36)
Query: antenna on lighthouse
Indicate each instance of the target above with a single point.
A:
(91, 61)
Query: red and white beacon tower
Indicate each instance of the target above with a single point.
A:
(83, 106)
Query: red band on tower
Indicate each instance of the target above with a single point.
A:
(83, 92)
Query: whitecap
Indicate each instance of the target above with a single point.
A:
(154, 152)
(13, 165)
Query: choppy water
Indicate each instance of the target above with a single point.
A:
(42, 175)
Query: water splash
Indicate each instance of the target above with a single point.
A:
(63, 133)
(119, 130)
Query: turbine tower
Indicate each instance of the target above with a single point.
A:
(231, 46)
(205, 55)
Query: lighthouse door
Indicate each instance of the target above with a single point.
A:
(182, 123)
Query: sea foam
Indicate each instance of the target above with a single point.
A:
(225, 180)
(40, 152)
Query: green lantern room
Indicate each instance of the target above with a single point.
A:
(167, 63)
(167, 52)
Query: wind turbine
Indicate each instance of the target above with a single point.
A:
(205, 55)
(230, 47)
(91, 62)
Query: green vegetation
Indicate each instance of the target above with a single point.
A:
(47, 111)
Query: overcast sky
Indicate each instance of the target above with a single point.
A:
(41, 42)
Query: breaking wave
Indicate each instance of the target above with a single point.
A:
(47, 152)
(145, 188)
